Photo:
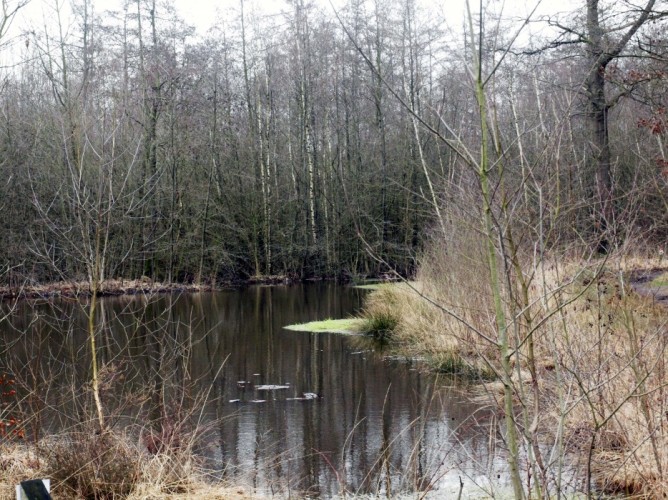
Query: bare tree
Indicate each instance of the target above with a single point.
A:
(606, 35)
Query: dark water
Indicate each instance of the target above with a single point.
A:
(174, 364)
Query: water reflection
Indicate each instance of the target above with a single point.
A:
(377, 426)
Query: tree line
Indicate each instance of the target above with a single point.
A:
(316, 144)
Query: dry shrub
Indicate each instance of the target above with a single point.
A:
(17, 463)
(92, 465)
(600, 348)
(176, 472)
(169, 473)
(629, 388)
(88, 465)
(603, 355)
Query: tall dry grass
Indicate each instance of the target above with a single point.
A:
(600, 354)
(443, 312)
(94, 466)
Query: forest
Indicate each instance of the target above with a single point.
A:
(508, 166)
(319, 142)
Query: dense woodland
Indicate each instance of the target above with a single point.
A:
(318, 144)
(515, 164)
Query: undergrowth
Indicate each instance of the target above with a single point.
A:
(89, 465)
(600, 356)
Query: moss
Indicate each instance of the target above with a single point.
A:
(349, 326)
(377, 326)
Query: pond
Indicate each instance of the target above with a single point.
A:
(338, 416)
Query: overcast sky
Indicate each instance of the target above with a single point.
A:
(205, 13)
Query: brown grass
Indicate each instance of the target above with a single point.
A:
(109, 466)
(601, 353)
(437, 314)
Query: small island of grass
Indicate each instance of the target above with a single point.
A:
(350, 326)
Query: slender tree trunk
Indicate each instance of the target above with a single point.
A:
(380, 124)
(598, 117)
(253, 107)
(504, 348)
(306, 116)
(601, 51)
(213, 139)
(264, 126)
(92, 328)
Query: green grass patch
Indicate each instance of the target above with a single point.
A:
(350, 325)
(661, 280)
(377, 286)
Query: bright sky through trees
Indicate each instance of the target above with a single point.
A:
(203, 14)
(207, 14)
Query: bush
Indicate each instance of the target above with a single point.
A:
(90, 465)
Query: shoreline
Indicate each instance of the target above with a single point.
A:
(619, 311)
(117, 287)
(121, 287)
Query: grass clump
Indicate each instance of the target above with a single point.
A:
(381, 325)
(92, 465)
(86, 465)
(17, 463)
(382, 314)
